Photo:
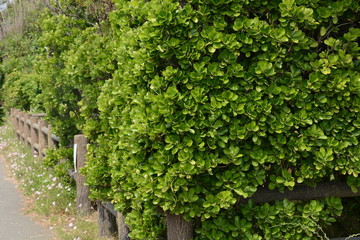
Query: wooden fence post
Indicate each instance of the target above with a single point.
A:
(51, 142)
(22, 126)
(17, 124)
(34, 133)
(123, 230)
(13, 119)
(22, 122)
(178, 228)
(106, 221)
(82, 191)
(43, 140)
(27, 131)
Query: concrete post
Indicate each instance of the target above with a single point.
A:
(82, 191)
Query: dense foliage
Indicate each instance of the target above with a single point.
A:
(216, 98)
(73, 65)
(18, 50)
(19, 89)
(191, 106)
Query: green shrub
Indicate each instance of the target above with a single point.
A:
(2, 115)
(280, 220)
(74, 64)
(190, 106)
(60, 160)
(213, 99)
(19, 88)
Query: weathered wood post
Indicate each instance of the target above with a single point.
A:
(14, 120)
(178, 228)
(123, 230)
(110, 220)
(43, 140)
(51, 142)
(82, 191)
(34, 130)
(27, 131)
(107, 226)
(12, 117)
(22, 126)
(17, 124)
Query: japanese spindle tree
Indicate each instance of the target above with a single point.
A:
(213, 99)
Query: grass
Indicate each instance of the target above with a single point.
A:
(49, 198)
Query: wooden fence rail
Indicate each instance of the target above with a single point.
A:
(33, 131)
(36, 133)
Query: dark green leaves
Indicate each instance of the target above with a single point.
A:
(191, 105)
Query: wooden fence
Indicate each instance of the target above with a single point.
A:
(36, 133)
(33, 131)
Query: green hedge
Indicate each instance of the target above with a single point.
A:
(73, 64)
(192, 105)
(18, 88)
(213, 99)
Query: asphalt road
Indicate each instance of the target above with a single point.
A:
(14, 225)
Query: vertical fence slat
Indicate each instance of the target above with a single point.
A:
(123, 230)
(34, 133)
(17, 124)
(178, 228)
(27, 130)
(51, 143)
(22, 127)
(43, 141)
(107, 226)
(13, 120)
(82, 191)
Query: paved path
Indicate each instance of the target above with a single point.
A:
(14, 225)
